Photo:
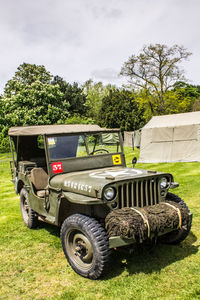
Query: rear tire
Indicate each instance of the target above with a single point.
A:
(177, 236)
(29, 216)
(85, 244)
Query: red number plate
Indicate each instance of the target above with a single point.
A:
(57, 167)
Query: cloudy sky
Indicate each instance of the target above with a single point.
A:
(82, 39)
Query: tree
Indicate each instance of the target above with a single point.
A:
(121, 110)
(30, 99)
(1, 115)
(95, 92)
(177, 102)
(155, 70)
(77, 119)
(189, 92)
(73, 94)
(29, 73)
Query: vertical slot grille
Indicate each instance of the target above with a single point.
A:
(138, 193)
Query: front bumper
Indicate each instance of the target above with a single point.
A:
(117, 241)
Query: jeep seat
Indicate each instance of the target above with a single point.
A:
(39, 179)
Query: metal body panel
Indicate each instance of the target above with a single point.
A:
(139, 186)
(82, 199)
(85, 163)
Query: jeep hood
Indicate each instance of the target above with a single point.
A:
(92, 182)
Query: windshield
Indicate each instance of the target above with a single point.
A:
(69, 146)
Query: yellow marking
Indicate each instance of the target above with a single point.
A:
(51, 141)
(117, 159)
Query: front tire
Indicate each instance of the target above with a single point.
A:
(28, 215)
(85, 244)
(177, 236)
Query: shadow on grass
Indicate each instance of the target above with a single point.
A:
(52, 229)
(144, 258)
(147, 259)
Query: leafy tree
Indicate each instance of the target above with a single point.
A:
(30, 99)
(155, 70)
(188, 90)
(190, 95)
(72, 94)
(1, 114)
(95, 92)
(176, 102)
(121, 110)
(182, 98)
(77, 119)
(28, 73)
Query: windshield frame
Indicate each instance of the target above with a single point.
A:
(89, 153)
(89, 161)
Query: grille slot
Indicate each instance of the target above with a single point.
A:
(138, 193)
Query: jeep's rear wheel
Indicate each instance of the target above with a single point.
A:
(85, 244)
(177, 236)
(28, 215)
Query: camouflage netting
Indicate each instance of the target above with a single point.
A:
(143, 223)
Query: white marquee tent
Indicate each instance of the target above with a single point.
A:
(171, 138)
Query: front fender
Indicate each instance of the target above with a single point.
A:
(18, 185)
(82, 199)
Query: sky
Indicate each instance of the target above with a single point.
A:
(91, 39)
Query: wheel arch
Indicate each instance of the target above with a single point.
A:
(67, 208)
(19, 185)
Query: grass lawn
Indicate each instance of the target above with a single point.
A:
(33, 266)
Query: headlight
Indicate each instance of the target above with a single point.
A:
(109, 193)
(163, 183)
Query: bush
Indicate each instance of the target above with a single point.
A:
(4, 145)
(77, 119)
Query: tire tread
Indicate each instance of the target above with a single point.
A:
(98, 236)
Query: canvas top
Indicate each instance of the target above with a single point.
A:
(56, 129)
(174, 120)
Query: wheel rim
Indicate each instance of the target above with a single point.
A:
(80, 249)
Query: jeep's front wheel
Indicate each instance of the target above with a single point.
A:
(28, 215)
(85, 244)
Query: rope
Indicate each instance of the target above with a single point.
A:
(144, 219)
(178, 212)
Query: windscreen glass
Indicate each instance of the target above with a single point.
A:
(69, 146)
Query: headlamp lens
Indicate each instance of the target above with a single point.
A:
(109, 193)
(163, 183)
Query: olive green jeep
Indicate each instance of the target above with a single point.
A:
(75, 177)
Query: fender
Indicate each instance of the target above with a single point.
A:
(82, 199)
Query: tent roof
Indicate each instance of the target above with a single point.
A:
(174, 120)
(56, 129)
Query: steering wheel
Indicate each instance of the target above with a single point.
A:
(99, 150)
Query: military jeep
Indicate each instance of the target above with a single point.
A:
(75, 177)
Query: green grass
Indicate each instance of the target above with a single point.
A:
(33, 266)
